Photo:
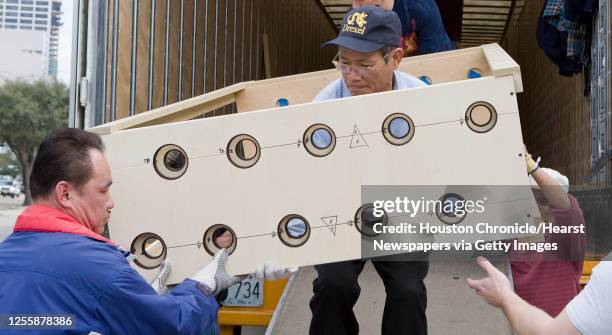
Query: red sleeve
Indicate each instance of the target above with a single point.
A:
(572, 246)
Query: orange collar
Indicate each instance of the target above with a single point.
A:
(42, 218)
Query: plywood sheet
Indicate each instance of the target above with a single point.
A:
(288, 180)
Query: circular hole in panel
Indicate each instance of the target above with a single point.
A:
(246, 149)
(293, 230)
(296, 228)
(152, 247)
(170, 161)
(217, 237)
(474, 73)
(319, 140)
(426, 80)
(243, 151)
(222, 238)
(149, 250)
(481, 117)
(451, 209)
(175, 160)
(282, 102)
(451, 206)
(398, 129)
(366, 218)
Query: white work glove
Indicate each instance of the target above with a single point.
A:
(159, 283)
(270, 271)
(531, 164)
(214, 275)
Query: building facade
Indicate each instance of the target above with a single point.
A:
(24, 54)
(33, 16)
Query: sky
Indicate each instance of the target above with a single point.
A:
(65, 43)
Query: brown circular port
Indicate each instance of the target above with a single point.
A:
(153, 247)
(170, 161)
(366, 217)
(451, 209)
(398, 129)
(319, 140)
(243, 151)
(149, 250)
(219, 237)
(246, 149)
(293, 230)
(481, 117)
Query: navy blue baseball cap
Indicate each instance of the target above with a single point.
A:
(367, 29)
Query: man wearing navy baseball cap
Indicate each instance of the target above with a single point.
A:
(368, 58)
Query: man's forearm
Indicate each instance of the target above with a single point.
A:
(553, 192)
(525, 318)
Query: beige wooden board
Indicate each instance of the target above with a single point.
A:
(444, 67)
(287, 179)
(439, 68)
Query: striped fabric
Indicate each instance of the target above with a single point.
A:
(550, 280)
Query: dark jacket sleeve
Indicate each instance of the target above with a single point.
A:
(131, 306)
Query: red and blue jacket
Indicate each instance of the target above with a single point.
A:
(423, 30)
(53, 265)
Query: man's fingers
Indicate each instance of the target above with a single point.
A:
(260, 272)
(270, 271)
(475, 284)
(221, 256)
(239, 278)
(486, 265)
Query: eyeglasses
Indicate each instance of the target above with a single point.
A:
(362, 71)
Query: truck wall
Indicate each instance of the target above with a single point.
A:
(554, 111)
(569, 131)
(190, 47)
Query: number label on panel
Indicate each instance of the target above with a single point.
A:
(247, 293)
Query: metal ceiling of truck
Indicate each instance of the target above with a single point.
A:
(486, 21)
(482, 21)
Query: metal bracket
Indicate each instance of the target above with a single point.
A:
(598, 165)
(84, 91)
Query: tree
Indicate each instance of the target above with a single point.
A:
(8, 164)
(28, 112)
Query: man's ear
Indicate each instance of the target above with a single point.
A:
(396, 57)
(63, 191)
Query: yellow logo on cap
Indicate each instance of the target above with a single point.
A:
(360, 19)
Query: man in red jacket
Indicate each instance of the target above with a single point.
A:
(59, 275)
